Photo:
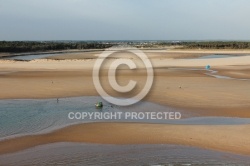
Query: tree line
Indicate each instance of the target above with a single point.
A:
(216, 45)
(33, 46)
(207, 44)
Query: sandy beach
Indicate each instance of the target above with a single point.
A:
(124, 83)
(224, 138)
(200, 94)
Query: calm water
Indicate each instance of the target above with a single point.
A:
(121, 155)
(212, 73)
(215, 56)
(29, 57)
(41, 56)
(18, 117)
(21, 117)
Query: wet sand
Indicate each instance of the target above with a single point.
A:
(154, 54)
(234, 138)
(122, 155)
(199, 94)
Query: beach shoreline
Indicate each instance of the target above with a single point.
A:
(199, 94)
(228, 138)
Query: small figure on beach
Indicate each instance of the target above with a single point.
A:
(57, 100)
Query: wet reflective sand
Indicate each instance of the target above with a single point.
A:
(96, 154)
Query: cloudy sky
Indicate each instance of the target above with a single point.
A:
(124, 20)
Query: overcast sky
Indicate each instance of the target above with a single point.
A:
(124, 20)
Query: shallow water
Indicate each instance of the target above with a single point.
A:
(34, 116)
(23, 117)
(215, 56)
(29, 57)
(212, 73)
(95, 154)
(29, 116)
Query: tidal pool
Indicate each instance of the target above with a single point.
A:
(35, 116)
